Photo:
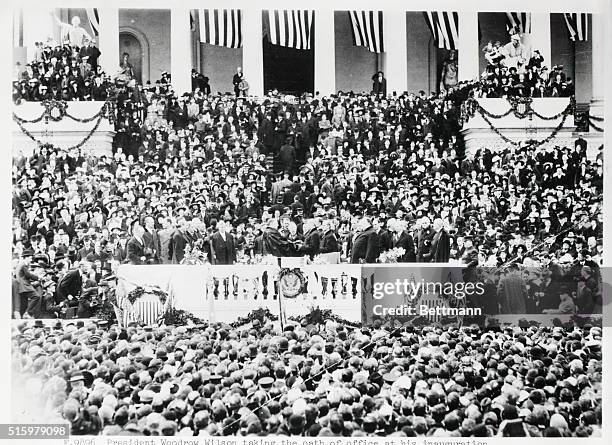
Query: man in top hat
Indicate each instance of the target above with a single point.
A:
(26, 280)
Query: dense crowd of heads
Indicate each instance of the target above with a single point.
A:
(328, 380)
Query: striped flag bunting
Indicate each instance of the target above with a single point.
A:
(367, 30)
(290, 27)
(94, 20)
(221, 27)
(519, 22)
(577, 26)
(444, 27)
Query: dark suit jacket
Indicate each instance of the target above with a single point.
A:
(69, 284)
(223, 252)
(176, 247)
(135, 251)
(329, 242)
(366, 246)
(406, 242)
(312, 241)
(151, 240)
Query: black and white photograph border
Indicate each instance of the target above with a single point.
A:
(207, 198)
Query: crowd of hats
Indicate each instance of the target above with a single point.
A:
(325, 380)
(61, 72)
(532, 80)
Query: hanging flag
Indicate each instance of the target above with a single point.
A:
(94, 20)
(577, 26)
(444, 27)
(192, 24)
(367, 30)
(290, 28)
(221, 27)
(518, 22)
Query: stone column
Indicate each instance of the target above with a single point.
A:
(598, 61)
(468, 49)
(108, 40)
(396, 51)
(325, 52)
(180, 50)
(252, 50)
(539, 38)
(38, 26)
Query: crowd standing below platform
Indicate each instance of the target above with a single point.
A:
(315, 380)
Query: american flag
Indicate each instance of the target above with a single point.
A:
(94, 20)
(290, 28)
(444, 27)
(577, 26)
(221, 27)
(367, 30)
(519, 22)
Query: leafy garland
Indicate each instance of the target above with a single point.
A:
(179, 317)
(317, 315)
(139, 291)
(261, 314)
(531, 142)
(593, 125)
(74, 147)
(56, 110)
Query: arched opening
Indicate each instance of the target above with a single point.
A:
(136, 45)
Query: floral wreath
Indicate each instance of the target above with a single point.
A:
(139, 291)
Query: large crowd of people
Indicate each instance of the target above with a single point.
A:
(324, 380)
(239, 178)
(231, 179)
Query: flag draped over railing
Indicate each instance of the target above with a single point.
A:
(94, 20)
(519, 22)
(577, 26)
(290, 28)
(367, 30)
(221, 27)
(444, 27)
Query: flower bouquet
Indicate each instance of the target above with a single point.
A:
(194, 256)
(392, 255)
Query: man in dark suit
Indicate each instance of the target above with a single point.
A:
(440, 244)
(178, 242)
(238, 77)
(70, 286)
(92, 53)
(365, 248)
(379, 84)
(29, 298)
(136, 245)
(403, 239)
(312, 239)
(287, 156)
(329, 241)
(151, 240)
(222, 245)
(423, 240)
